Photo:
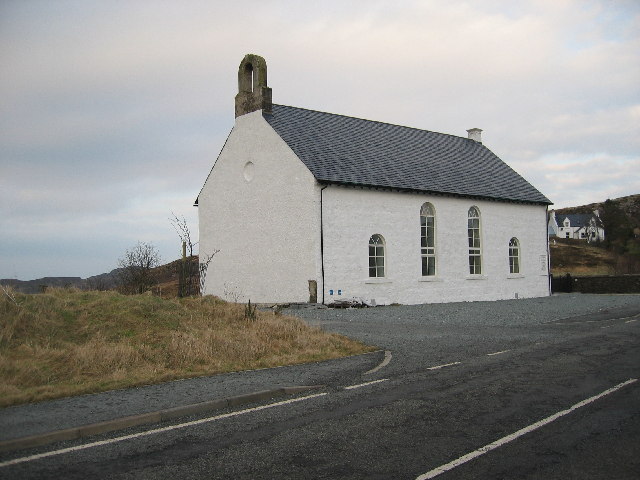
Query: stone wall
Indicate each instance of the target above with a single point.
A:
(607, 284)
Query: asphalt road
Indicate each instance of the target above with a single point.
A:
(501, 389)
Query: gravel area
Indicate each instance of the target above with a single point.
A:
(530, 311)
(421, 336)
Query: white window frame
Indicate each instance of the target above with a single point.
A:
(377, 251)
(428, 240)
(474, 241)
(514, 256)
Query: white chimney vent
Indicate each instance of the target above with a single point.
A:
(475, 134)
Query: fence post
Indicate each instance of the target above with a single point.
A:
(183, 266)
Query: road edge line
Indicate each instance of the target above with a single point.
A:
(88, 430)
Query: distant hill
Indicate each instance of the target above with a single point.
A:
(104, 281)
(167, 277)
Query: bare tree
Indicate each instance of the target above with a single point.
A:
(188, 283)
(136, 275)
(192, 270)
(182, 229)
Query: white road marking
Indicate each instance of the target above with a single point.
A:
(384, 363)
(351, 387)
(509, 438)
(437, 367)
(497, 353)
(157, 430)
(626, 320)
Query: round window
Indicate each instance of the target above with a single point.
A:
(249, 171)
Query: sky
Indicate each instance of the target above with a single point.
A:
(113, 113)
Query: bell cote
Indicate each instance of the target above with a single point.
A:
(253, 93)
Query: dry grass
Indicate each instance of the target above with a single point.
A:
(579, 258)
(68, 342)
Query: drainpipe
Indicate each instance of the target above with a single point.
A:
(548, 251)
(322, 242)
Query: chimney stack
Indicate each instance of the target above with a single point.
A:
(475, 134)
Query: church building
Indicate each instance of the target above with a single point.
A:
(307, 206)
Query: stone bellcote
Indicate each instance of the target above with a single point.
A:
(253, 93)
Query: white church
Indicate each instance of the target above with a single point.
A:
(307, 206)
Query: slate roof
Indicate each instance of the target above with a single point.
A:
(344, 150)
(575, 219)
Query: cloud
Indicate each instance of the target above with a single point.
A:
(589, 179)
(112, 113)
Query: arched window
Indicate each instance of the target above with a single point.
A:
(376, 256)
(475, 248)
(428, 240)
(514, 255)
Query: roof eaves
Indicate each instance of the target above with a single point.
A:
(363, 186)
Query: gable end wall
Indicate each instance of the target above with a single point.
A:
(263, 219)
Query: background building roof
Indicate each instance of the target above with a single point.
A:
(575, 219)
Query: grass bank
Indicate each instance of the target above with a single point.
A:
(578, 257)
(68, 342)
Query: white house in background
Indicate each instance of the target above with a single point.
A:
(579, 226)
(306, 206)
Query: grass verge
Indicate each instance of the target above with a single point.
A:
(69, 342)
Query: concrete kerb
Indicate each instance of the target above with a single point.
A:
(148, 418)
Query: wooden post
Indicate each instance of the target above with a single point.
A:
(183, 276)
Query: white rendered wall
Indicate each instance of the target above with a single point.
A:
(352, 215)
(264, 219)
